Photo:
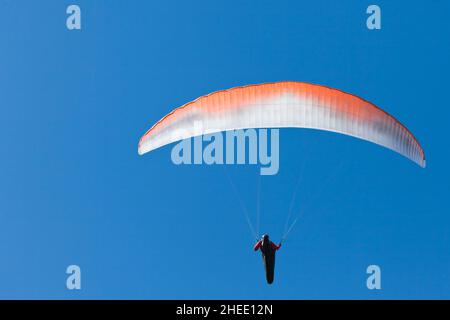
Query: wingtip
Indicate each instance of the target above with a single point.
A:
(140, 152)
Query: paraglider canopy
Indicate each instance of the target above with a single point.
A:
(282, 105)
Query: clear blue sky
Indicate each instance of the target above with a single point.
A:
(73, 189)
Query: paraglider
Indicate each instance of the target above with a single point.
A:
(268, 249)
(285, 104)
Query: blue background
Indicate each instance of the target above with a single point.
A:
(73, 189)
